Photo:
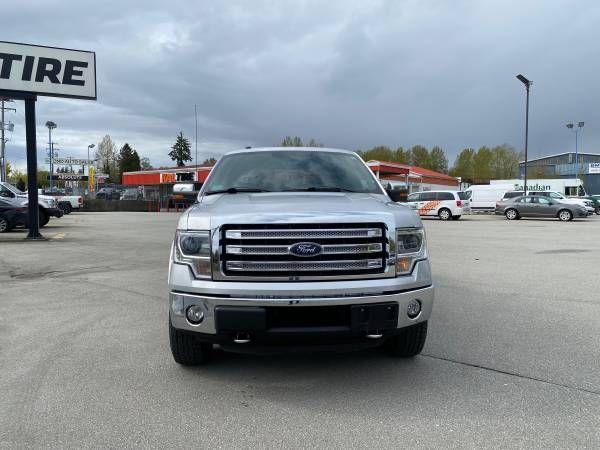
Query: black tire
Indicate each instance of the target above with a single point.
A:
(187, 350)
(4, 224)
(511, 214)
(409, 342)
(597, 211)
(455, 217)
(43, 218)
(65, 207)
(564, 215)
(444, 214)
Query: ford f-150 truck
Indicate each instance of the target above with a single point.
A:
(292, 249)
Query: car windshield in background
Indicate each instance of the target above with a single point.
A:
(464, 195)
(289, 171)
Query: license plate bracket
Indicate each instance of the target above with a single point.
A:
(377, 317)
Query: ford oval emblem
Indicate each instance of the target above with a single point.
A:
(305, 249)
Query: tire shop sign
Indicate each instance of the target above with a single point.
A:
(47, 70)
(31, 71)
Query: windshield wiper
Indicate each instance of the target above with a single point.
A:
(235, 190)
(323, 189)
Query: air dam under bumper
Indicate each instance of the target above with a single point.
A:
(335, 322)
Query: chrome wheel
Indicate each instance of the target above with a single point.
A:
(565, 215)
(444, 214)
(3, 225)
(511, 214)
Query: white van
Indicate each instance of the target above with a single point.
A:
(485, 196)
(443, 204)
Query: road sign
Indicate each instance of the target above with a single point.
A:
(71, 161)
(40, 70)
(69, 176)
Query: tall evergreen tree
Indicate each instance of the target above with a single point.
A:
(181, 151)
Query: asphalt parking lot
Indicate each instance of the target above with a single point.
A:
(512, 358)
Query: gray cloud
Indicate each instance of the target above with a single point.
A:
(352, 74)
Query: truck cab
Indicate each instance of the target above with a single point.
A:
(297, 248)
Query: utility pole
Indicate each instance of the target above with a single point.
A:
(2, 138)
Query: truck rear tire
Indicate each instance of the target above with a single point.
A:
(409, 342)
(186, 348)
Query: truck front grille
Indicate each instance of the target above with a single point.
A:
(260, 251)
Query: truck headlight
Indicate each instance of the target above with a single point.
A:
(410, 248)
(193, 249)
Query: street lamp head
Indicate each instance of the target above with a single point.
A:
(580, 124)
(51, 125)
(91, 145)
(524, 80)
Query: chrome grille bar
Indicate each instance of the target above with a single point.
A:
(292, 266)
(328, 249)
(331, 233)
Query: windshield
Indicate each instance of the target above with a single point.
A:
(464, 195)
(12, 188)
(288, 171)
(556, 195)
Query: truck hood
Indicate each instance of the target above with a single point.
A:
(306, 207)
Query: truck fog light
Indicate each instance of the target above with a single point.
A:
(413, 308)
(194, 314)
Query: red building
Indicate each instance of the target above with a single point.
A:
(411, 178)
(158, 183)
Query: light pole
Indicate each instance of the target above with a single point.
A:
(527, 84)
(89, 147)
(571, 126)
(51, 126)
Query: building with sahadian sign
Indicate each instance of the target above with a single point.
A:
(564, 165)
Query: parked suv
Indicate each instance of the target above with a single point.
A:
(297, 248)
(443, 204)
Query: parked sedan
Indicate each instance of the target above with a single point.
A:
(11, 215)
(536, 206)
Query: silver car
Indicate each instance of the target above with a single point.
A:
(538, 206)
(297, 248)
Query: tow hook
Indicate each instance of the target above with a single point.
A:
(241, 338)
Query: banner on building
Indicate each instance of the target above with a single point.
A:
(594, 167)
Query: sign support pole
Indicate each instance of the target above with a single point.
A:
(33, 213)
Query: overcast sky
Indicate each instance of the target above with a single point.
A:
(351, 74)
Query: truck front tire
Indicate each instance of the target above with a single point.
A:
(186, 348)
(43, 218)
(409, 342)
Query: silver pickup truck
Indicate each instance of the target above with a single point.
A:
(293, 249)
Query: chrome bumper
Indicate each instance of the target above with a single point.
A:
(186, 291)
